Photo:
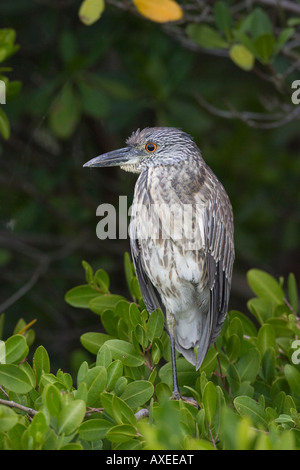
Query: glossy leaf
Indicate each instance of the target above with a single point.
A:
(8, 418)
(125, 352)
(93, 341)
(265, 286)
(94, 429)
(137, 393)
(155, 324)
(16, 349)
(90, 11)
(121, 433)
(104, 302)
(13, 378)
(209, 401)
(248, 365)
(246, 406)
(242, 57)
(71, 416)
(81, 296)
(205, 36)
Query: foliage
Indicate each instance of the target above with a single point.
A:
(7, 49)
(247, 388)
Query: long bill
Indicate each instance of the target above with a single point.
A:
(124, 156)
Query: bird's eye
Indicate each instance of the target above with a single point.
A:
(151, 147)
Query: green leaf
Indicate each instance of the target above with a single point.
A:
(242, 57)
(95, 380)
(264, 46)
(104, 302)
(129, 272)
(94, 100)
(51, 399)
(248, 365)
(81, 296)
(293, 292)
(14, 378)
(121, 433)
(266, 338)
(101, 278)
(283, 418)
(90, 11)
(205, 36)
(246, 406)
(41, 362)
(137, 393)
(4, 125)
(89, 274)
(114, 372)
(293, 377)
(269, 365)
(209, 399)
(8, 418)
(283, 37)
(134, 315)
(121, 411)
(2, 352)
(256, 23)
(125, 352)
(104, 356)
(210, 361)
(265, 286)
(37, 433)
(93, 341)
(94, 429)
(71, 416)
(109, 320)
(65, 113)
(233, 347)
(16, 349)
(223, 17)
(248, 326)
(155, 325)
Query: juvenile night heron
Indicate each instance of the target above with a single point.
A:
(181, 237)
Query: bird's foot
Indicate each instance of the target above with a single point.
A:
(190, 400)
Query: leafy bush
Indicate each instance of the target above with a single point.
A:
(248, 387)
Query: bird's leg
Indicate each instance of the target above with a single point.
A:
(171, 328)
(176, 395)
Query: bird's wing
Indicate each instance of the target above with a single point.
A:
(149, 293)
(218, 231)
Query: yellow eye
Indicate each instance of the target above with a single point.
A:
(151, 147)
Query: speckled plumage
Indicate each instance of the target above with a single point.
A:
(192, 284)
(189, 277)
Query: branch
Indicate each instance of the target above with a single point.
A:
(251, 119)
(284, 4)
(13, 404)
(25, 288)
(144, 413)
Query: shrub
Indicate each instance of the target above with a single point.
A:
(248, 387)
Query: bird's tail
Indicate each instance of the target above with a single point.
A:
(192, 339)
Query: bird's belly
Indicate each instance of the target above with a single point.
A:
(179, 276)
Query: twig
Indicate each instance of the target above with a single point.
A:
(284, 4)
(24, 289)
(13, 404)
(251, 118)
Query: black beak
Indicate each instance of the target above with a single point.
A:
(119, 157)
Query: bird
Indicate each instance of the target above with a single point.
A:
(181, 237)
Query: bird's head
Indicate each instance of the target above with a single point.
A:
(152, 146)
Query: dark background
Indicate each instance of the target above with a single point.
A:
(84, 90)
